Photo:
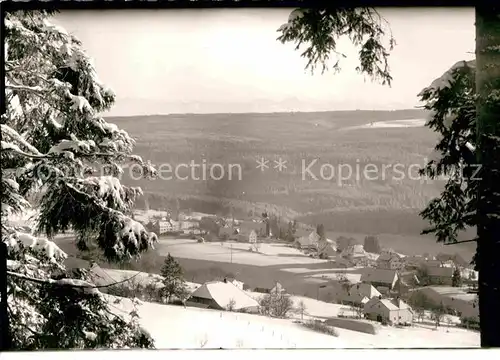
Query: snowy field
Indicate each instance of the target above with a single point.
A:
(390, 124)
(239, 253)
(191, 328)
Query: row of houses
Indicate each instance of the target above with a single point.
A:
(374, 305)
(166, 226)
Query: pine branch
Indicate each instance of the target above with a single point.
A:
(55, 156)
(61, 282)
(460, 242)
(31, 89)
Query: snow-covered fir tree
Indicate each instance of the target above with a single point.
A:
(452, 102)
(62, 158)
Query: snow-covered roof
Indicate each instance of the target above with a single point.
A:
(384, 302)
(384, 276)
(388, 304)
(356, 250)
(356, 292)
(278, 288)
(401, 304)
(222, 293)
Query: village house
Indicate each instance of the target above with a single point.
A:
(413, 261)
(160, 227)
(176, 225)
(249, 236)
(309, 242)
(165, 226)
(354, 251)
(252, 237)
(391, 261)
(392, 311)
(383, 280)
(189, 225)
(221, 295)
(245, 227)
(327, 251)
(440, 275)
(456, 259)
(349, 294)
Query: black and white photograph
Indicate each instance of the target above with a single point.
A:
(250, 178)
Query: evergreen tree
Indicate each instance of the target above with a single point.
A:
(372, 245)
(57, 150)
(456, 280)
(290, 233)
(320, 230)
(173, 279)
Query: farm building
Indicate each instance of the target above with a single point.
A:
(308, 242)
(413, 262)
(327, 251)
(381, 279)
(219, 295)
(391, 261)
(440, 275)
(391, 311)
(252, 237)
(354, 251)
(160, 227)
(357, 294)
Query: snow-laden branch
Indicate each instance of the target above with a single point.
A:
(33, 89)
(16, 136)
(73, 283)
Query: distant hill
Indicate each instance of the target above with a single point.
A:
(355, 205)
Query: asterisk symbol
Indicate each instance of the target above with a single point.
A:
(262, 164)
(280, 164)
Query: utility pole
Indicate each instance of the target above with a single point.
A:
(4, 315)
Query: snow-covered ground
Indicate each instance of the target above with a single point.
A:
(188, 328)
(390, 124)
(178, 327)
(269, 254)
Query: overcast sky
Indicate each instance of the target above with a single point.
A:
(202, 61)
